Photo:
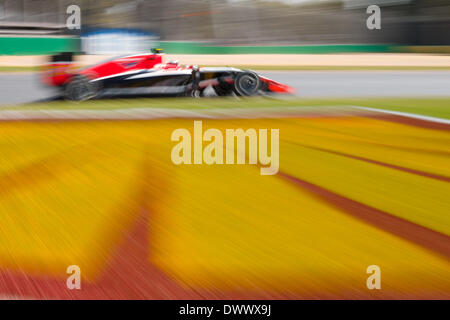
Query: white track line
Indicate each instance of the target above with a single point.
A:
(160, 113)
(219, 113)
(406, 114)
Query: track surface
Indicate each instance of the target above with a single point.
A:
(366, 83)
(23, 88)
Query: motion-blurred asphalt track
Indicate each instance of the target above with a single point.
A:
(25, 88)
(352, 191)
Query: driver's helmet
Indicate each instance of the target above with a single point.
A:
(157, 50)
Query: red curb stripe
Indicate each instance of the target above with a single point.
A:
(384, 164)
(432, 240)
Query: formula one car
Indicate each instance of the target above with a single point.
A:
(144, 74)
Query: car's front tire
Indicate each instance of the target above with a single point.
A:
(247, 83)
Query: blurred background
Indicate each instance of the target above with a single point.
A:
(295, 35)
(236, 22)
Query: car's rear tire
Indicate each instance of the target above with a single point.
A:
(247, 83)
(80, 88)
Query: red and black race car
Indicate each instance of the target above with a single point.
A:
(145, 74)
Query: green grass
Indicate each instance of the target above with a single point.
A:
(437, 107)
(18, 69)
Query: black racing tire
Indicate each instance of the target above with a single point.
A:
(247, 83)
(80, 88)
